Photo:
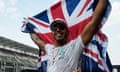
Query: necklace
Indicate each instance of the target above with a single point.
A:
(55, 53)
(60, 51)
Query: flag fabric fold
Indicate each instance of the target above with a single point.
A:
(77, 14)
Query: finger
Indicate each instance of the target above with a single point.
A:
(25, 20)
(75, 71)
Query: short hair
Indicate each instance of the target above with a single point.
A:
(58, 22)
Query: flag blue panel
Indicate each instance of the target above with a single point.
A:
(71, 5)
(43, 16)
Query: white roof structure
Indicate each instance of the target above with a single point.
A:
(14, 46)
(15, 52)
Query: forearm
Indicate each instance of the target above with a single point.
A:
(99, 12)
(92, 26)
(37, 41)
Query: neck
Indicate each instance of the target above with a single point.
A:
(60, 43)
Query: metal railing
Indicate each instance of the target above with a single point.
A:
(116, 68)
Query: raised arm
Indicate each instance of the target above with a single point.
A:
(38, 41)
(91, 28)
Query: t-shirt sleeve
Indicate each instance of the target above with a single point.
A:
(47, 48)
(78, 42)
(82, 44)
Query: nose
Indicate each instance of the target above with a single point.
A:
(58, 30)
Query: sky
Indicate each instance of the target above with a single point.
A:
(13, 11)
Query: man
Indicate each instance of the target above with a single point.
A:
(63, 56)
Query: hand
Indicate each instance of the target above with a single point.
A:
(25, 20)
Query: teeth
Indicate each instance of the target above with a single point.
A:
(59, 34)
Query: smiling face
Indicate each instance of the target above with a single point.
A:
(59, 30)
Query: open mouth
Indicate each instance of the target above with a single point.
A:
(59, 34)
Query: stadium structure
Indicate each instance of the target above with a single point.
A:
(15, 56)
(18, 57)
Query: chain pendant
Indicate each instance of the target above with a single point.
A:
(53, 60)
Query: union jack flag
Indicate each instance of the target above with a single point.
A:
(76, 13)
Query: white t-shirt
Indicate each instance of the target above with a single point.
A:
(64, 58)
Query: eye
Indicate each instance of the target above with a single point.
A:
(61, 27)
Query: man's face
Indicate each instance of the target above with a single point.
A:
(59, 32)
